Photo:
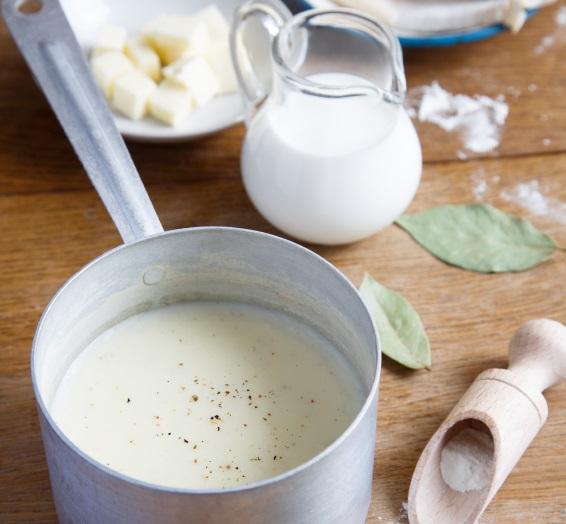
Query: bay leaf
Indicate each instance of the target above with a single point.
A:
(401, 333)
(479, 237)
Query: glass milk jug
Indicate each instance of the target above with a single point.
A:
(330, 155)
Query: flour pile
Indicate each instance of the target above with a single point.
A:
(478, 119)
(466, 460)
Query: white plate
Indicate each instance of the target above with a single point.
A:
(88, 16)
(422, 18)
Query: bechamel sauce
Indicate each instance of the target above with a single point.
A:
(329, 170)
(206, 395)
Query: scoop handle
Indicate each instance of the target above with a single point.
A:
(537, 354)
(57, 62)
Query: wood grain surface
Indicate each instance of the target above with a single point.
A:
(52, 223)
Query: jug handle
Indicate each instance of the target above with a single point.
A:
(272, 14)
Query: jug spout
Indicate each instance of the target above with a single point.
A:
(363, 51)
(334, 53)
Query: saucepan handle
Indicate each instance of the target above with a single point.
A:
(47, 43)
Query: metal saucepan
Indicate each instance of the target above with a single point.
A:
(154, 268)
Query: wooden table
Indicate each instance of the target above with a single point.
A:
(52, 223)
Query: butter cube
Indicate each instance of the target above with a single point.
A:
(220, 60)
(170, 103)
(217, 26)
(107, 67)
(110, 38)
(144, 58)
(175, 35)
(131, 94)
(196, 75)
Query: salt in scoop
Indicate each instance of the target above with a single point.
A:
(484, 436)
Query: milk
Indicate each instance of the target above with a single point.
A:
(331, 170)
(206, 395)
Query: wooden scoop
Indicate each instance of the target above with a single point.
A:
(507, 405)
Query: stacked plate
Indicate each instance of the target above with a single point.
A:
(421, 23)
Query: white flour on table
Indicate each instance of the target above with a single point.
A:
(558, 36)
(481, 187)
(478, 119)
(403, 515)
(530, 196)
(404, 512)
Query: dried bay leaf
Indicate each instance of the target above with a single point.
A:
(479, 237)
(401, 332)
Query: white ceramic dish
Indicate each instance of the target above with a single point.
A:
(88, 16)
(449, 22)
